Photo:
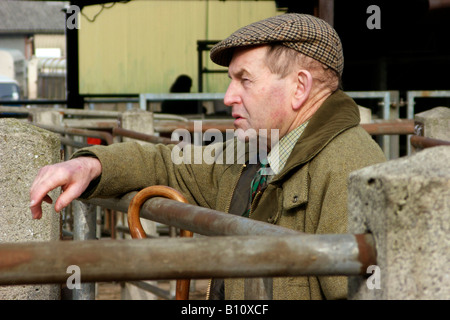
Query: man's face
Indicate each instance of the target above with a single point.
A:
(259, 99)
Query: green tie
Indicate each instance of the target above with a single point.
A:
(258, 183)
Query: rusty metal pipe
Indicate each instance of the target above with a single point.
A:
(424, 142)
(194, 218)
(181, 258)
(142, 136)
(397, 127)
(391, 127)
(106, 136)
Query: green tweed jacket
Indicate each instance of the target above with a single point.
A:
(308, 195)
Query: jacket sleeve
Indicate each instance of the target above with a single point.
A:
(130, 166)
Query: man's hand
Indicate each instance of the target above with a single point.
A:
(72, 176)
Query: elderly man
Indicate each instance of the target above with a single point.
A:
(285, 75)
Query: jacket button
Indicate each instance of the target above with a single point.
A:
(295, 199)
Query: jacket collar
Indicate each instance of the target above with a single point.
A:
(338, 113)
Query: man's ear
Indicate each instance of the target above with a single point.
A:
(303, 88)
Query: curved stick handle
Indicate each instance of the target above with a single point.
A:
(137, 232)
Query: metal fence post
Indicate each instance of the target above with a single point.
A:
(84, 227)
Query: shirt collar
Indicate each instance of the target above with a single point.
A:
(279, 154)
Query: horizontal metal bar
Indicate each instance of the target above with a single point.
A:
(106, 136)
(133, 99)
(168, 116)
(193, 218)
(428, 94)
(39, 101)
(65, 111)
(110, 95)
(424, 142)
(186, 258)
(394, 127)
(386, 127)
(370, 94)
(109, 100)
(205, 70)
(217, 124)
(14, 110)
(181, 96)
(142, 136)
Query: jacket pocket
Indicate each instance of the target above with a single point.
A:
(266, 206)
(296, 189)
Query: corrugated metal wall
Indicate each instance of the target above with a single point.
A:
(142, 46)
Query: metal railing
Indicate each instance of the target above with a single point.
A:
(173, 258)
(247, 248)
(420, 142)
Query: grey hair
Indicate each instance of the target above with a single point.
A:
(281, 60)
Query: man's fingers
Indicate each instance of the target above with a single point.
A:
(38, 194)
(70, 193)
(73, 176)
(36, 209)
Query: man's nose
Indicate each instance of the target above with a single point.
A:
(231, 95)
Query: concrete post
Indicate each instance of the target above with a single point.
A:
(24, 149)
(405, 204)
(139, 121)
(365, 114)
(50, 117)
(434, 123)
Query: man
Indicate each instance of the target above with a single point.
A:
(285, 76)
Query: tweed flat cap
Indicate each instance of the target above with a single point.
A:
(304, 33)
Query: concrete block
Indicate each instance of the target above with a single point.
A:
(365, 114)
(405, 204)
(434, 123)
(139, 121)
(50, 117)
(24, 149)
